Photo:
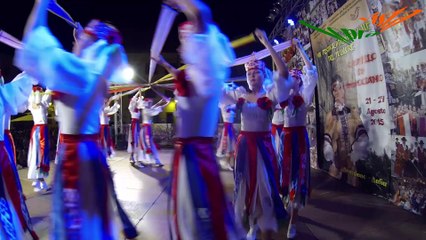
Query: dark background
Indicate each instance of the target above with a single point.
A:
(135, 19)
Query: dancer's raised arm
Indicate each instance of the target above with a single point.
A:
(38, 16)
(282, 68)
(169, 68)
(304, 55)
(196, 12)
(310, 77)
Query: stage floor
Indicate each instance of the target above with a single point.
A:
(335, 211)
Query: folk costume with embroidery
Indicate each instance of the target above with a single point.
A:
(256, 171)
(15, 221)
(84, 200)
(38, 150)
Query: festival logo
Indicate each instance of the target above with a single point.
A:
(381, 21)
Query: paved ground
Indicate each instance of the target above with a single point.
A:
(335, 211)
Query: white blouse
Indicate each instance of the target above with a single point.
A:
(6, 121)
(278, 117)
(208, 56)
(149, 113)
(107, 112)
(38, 104)
(135, 107)
(254, 118)
(13, 96)
(77, 80)
(228, 113)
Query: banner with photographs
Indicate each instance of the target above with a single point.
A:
(354, 115)
(404, 62)
(377, 86)
(316, 12)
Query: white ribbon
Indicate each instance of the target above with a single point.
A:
(262, 54)
(165, 22)
(10, 40)
(60, 12)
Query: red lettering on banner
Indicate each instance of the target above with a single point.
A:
(366, 81)
(373, 112)
(364, 59)
(378, 121)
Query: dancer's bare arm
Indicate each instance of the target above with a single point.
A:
(38, 16)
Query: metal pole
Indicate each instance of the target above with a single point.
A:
(115, 126)
(121, 115)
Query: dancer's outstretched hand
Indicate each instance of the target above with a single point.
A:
(261, 35)
(115, 97)
(174, 4)
(295, 42)
(159, 59)
(77, 31)
(44, 1)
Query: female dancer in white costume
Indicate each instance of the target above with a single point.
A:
(38, 150)
(276, 129)
(227, 139)
(105, 137)
(200, 208)
(15, 220)
(134, 142)
(296, 152)
(149, 148)
(84, 200)
(256, 171)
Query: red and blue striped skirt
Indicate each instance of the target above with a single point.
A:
(256, 173)
(84, 201)
(134, 136)
(276, 131)
(105, 140)
(227, 141)
(38, 152)
(295, 166)
(10, 144)
(147, 139)
(15, 218)
(200, 208)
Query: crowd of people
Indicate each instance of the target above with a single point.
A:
(409, 121)
(407, 100)
(318, 11)
(416, 84)
(411, 195)
(411, 34)
(410, 159)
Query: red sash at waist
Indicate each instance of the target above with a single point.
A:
(294, 129)
(255, 134)
(201, 140)
(72, 138)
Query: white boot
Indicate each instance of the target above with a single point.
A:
(40, 186)
(157, 163)
(224, 165)
(251, 235)
(132, 159)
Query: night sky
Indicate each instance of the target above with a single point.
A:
(135, 19)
